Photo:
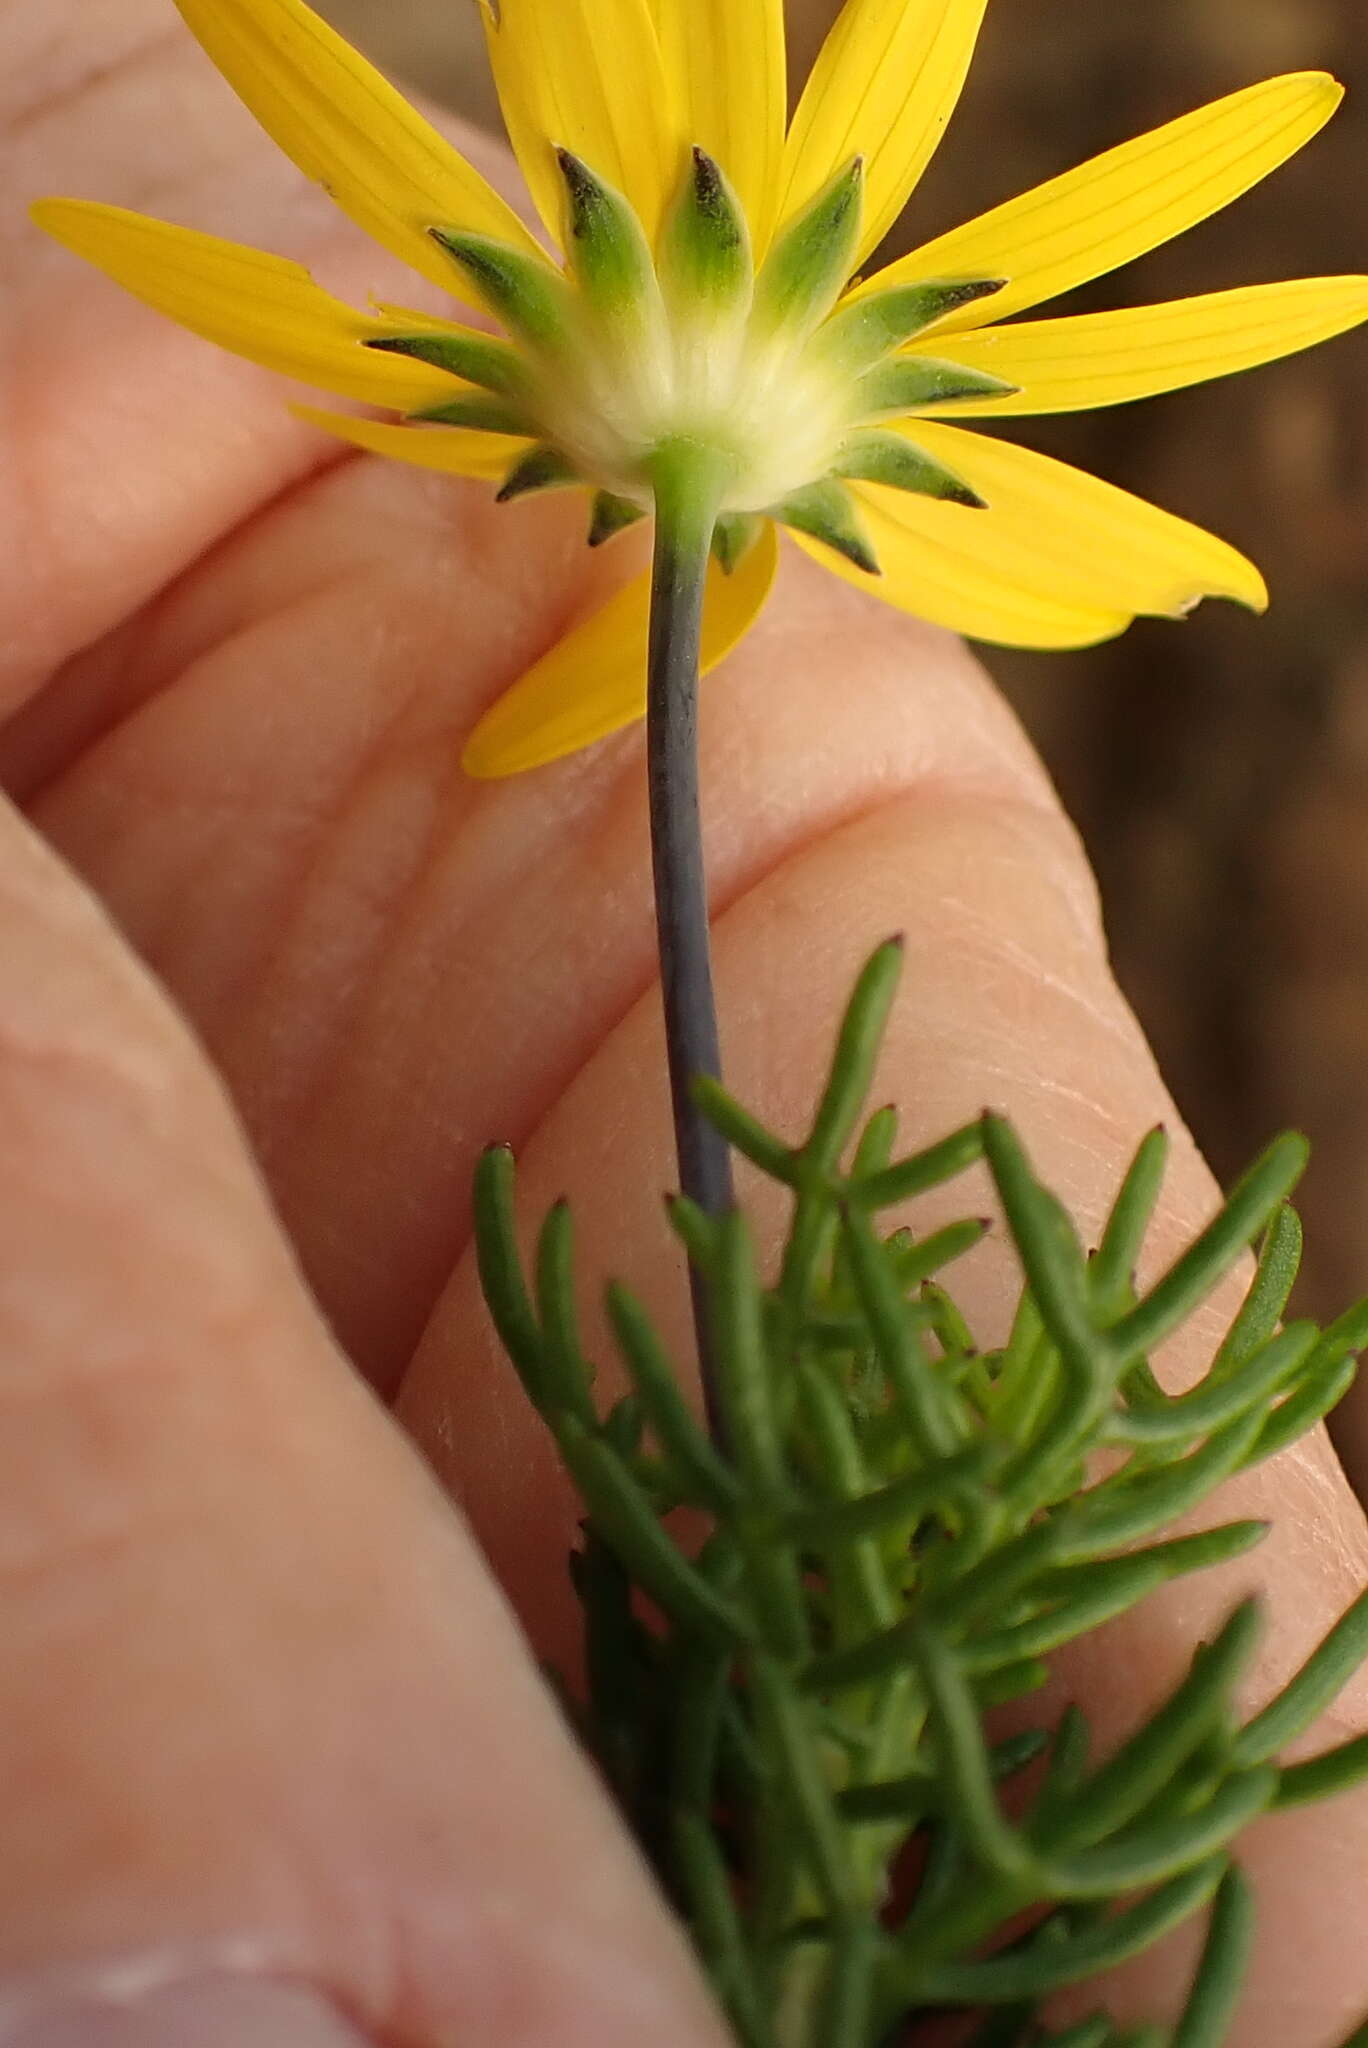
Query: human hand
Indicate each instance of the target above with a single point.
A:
(261, 1713)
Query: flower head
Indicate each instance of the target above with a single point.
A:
(704, 296)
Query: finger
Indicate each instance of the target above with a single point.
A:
(263, 1719)
(117, 102)
(1007, 998)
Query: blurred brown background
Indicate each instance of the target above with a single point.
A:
(1219, 770)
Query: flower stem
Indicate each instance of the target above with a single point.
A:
(687, 482)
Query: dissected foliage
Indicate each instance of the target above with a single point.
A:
(901, 1529)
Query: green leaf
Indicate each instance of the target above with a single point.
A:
(1014, 2027)
(1094, 2032)
(1182, 1554)
(1210, 1406)
(1320, 1393)
(1325, 1776)
(861, 1594)
(717, 1927)
(992, 1840)
(1346, 1336)
(1142, 1856)
(858, 1045)
(1262, 1309)
(745, 1133)
(1253, 1204)
(1125, 1510)
(848, 1994)
(990, 1586)
(1010, 1682)
(567, 1376)
(1113, 1589)
(617, 1668)
(501, 1272)
(780, 1711)
(696, 1230)
(701, 1684)
(705, 1475)
(745, 1382)
(915, 1260)
(902, 1504)
(628, 1524)
(1032, 1974)
(623, 1427)
(1142, 1767)
(1220, 1974)
(1069, 1754)
(1316, 1687)
(1112, 1273)
(922, 1172)
(918, 1793)
(897, 1341)
(1049, 1247)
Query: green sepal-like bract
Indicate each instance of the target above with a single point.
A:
(607, 248)
(542, 468)
(733, 538)
(705, 252)
(902, 384)
(811, 259)
(476, 358)
(864, 332)
(612, 515)
(531, 300)
(483, 411)
(826, 511)
(873, 456)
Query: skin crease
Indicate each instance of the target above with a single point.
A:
(236, 673)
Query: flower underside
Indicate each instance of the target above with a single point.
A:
(705, 301)
(610, 367)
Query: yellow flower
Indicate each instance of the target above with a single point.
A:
(706, 299)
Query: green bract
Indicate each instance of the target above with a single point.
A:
(898, 1531)
(628, 356)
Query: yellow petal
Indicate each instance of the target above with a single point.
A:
(259, 306)
(585, 75)
(1112, 358)
(726, 66)
(1070, 536)
(962, 587)
(1111, 210)
(457, 451)
(593, 682)
(347, 127)
(884, 88)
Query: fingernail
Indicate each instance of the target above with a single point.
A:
(206, 2012)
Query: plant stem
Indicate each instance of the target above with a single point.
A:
(687, 481)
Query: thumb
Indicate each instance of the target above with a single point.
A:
(864, 779)
(274, 1764)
